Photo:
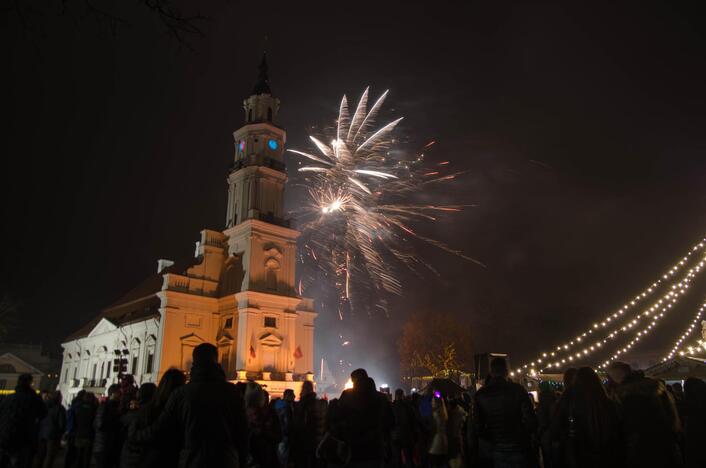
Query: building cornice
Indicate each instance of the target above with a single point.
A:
(262, 227)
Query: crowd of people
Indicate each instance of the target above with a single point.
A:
(627, 421)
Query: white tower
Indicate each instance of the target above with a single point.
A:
(275, 326)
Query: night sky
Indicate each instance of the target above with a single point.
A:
(581, 128)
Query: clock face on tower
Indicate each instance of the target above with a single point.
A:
(272, 144)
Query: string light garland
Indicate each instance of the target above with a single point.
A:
(553, 359)
(643, 332)
(687, 332)
(684, 286)
(700, 345)
(669, 299)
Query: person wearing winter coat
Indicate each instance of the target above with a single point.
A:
(404, 431)
(284, 408)
(70, 457)
(651, 426)
(204, 419)
(131, 452)
(694, 422)
(363, 419)
(308, 421)
(545, 408)
(51, 429)
(263, 426)
(108, 430)
(84, 417)
(503, 415)
(20, 414)
(159, 452)
(586, 425)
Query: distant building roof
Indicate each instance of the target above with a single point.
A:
(33, 354)
(138, 304)
(679, 368)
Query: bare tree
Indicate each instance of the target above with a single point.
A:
(435, 344)
(34, 16)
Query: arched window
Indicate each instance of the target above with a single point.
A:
(151, 344)
(135, 355)
(269, 114)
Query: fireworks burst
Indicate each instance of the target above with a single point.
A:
(360, 216)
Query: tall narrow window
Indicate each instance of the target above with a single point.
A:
(269, 114)
(66, 375)
(107, 370)
(134, 365)
(250, 115)
(271, 279)
(150, 362)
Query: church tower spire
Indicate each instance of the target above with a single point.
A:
(261, 106)
(257, 177)
(263, 84)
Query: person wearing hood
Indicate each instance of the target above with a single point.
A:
(207, 414)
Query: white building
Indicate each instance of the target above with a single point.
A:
(238, 292)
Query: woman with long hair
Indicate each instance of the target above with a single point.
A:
(586, 424)
(158, 451)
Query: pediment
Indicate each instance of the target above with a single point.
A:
(271, 340)
(104, 326)
(191, 339)
(225, 339)
(21, 366)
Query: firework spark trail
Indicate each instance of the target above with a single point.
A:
(360, 216)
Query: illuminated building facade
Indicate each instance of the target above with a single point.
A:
(237, 293)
